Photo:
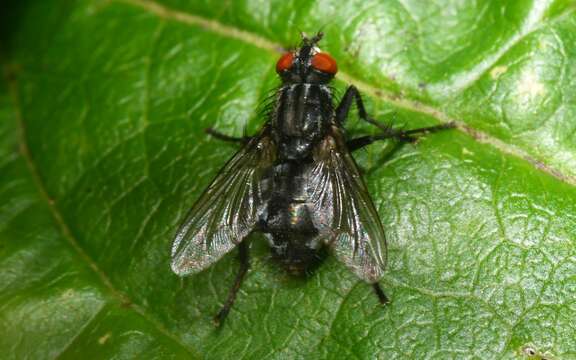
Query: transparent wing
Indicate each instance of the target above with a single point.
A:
(344, 212)
(226, 212)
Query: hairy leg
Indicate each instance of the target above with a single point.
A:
(353, 95)
(244, 258)
(350, 96)
(400, 135)
(381, 296)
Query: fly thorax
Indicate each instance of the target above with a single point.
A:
(302, 116)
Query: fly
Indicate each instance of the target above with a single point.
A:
(296, 182)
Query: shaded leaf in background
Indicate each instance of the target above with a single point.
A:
(103, 107)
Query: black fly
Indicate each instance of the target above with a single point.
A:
(295, 182)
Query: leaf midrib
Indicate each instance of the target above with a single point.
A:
(375, 92)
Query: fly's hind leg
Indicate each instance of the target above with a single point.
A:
(224, 137)
(380, 293)
(243, 256)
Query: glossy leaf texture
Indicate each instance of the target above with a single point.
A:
(103, 106)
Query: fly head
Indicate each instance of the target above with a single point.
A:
(307, 64)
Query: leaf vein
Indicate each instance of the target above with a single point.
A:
(385, 95)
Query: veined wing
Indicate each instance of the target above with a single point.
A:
(344, 212)
(226, 212)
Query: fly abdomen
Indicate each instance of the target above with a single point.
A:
(295, 253)
(291, 234)
(286, 216)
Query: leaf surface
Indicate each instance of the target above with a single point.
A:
(103, 107)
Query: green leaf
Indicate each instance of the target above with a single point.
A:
(102, 113)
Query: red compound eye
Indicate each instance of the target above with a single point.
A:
(285, 62)
(325, 63)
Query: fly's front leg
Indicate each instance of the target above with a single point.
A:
(243, 256)
(343, 108)
(352, 94)
(224, 137)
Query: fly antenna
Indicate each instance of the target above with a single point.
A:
(316, 38)
(307, 41)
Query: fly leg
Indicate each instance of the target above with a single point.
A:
(345, 104)
(352, 94)
(243, 256)
(224, 137)
(389, 133)
(381, 296)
